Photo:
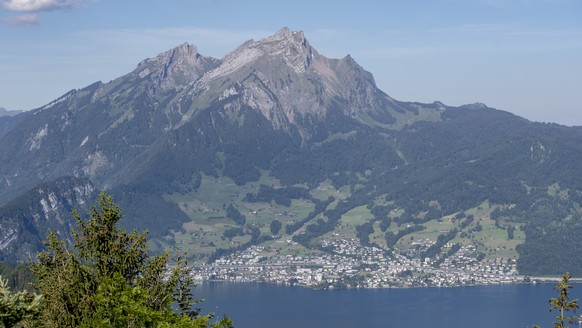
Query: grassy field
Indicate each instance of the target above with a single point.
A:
(491, 240)
(326, 189)
(348, 223)
(206, 208)
(494, 241)
(377, 237)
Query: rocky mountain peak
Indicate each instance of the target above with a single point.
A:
(177, 55)
(286, 35)
(177, 67)
(291, 47)
(285, 79)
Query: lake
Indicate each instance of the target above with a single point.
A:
(264, 305)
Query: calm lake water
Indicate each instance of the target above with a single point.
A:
(263, 305)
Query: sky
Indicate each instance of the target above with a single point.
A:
(521, 56)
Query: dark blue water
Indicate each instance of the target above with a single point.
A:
(263, 305)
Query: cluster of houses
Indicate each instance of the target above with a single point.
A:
(346, 263)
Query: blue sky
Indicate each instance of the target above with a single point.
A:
(522, 56)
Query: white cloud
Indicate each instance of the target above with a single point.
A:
(39, 5)
(23, 20)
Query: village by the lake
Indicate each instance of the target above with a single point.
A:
(349, 264)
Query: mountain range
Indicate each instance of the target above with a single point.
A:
(192, 146)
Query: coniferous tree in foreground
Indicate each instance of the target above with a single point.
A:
(562, 303)
(108, 279)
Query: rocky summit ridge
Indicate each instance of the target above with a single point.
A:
(291, 47)
(289, 82)
(281, 76)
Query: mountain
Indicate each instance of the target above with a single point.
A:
(9, 119)
(205, 153)
(6, 112)
(27, 218)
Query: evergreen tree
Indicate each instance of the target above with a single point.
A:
(275, 226)
(17, 306)
(108, 279)
(562, 303)
(19, 277)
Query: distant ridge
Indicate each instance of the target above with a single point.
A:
(6, 112)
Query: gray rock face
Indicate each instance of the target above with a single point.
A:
(26, 219)
(176, 68)
(285, 79)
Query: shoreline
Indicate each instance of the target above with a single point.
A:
(314, 287)
(547, 279)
